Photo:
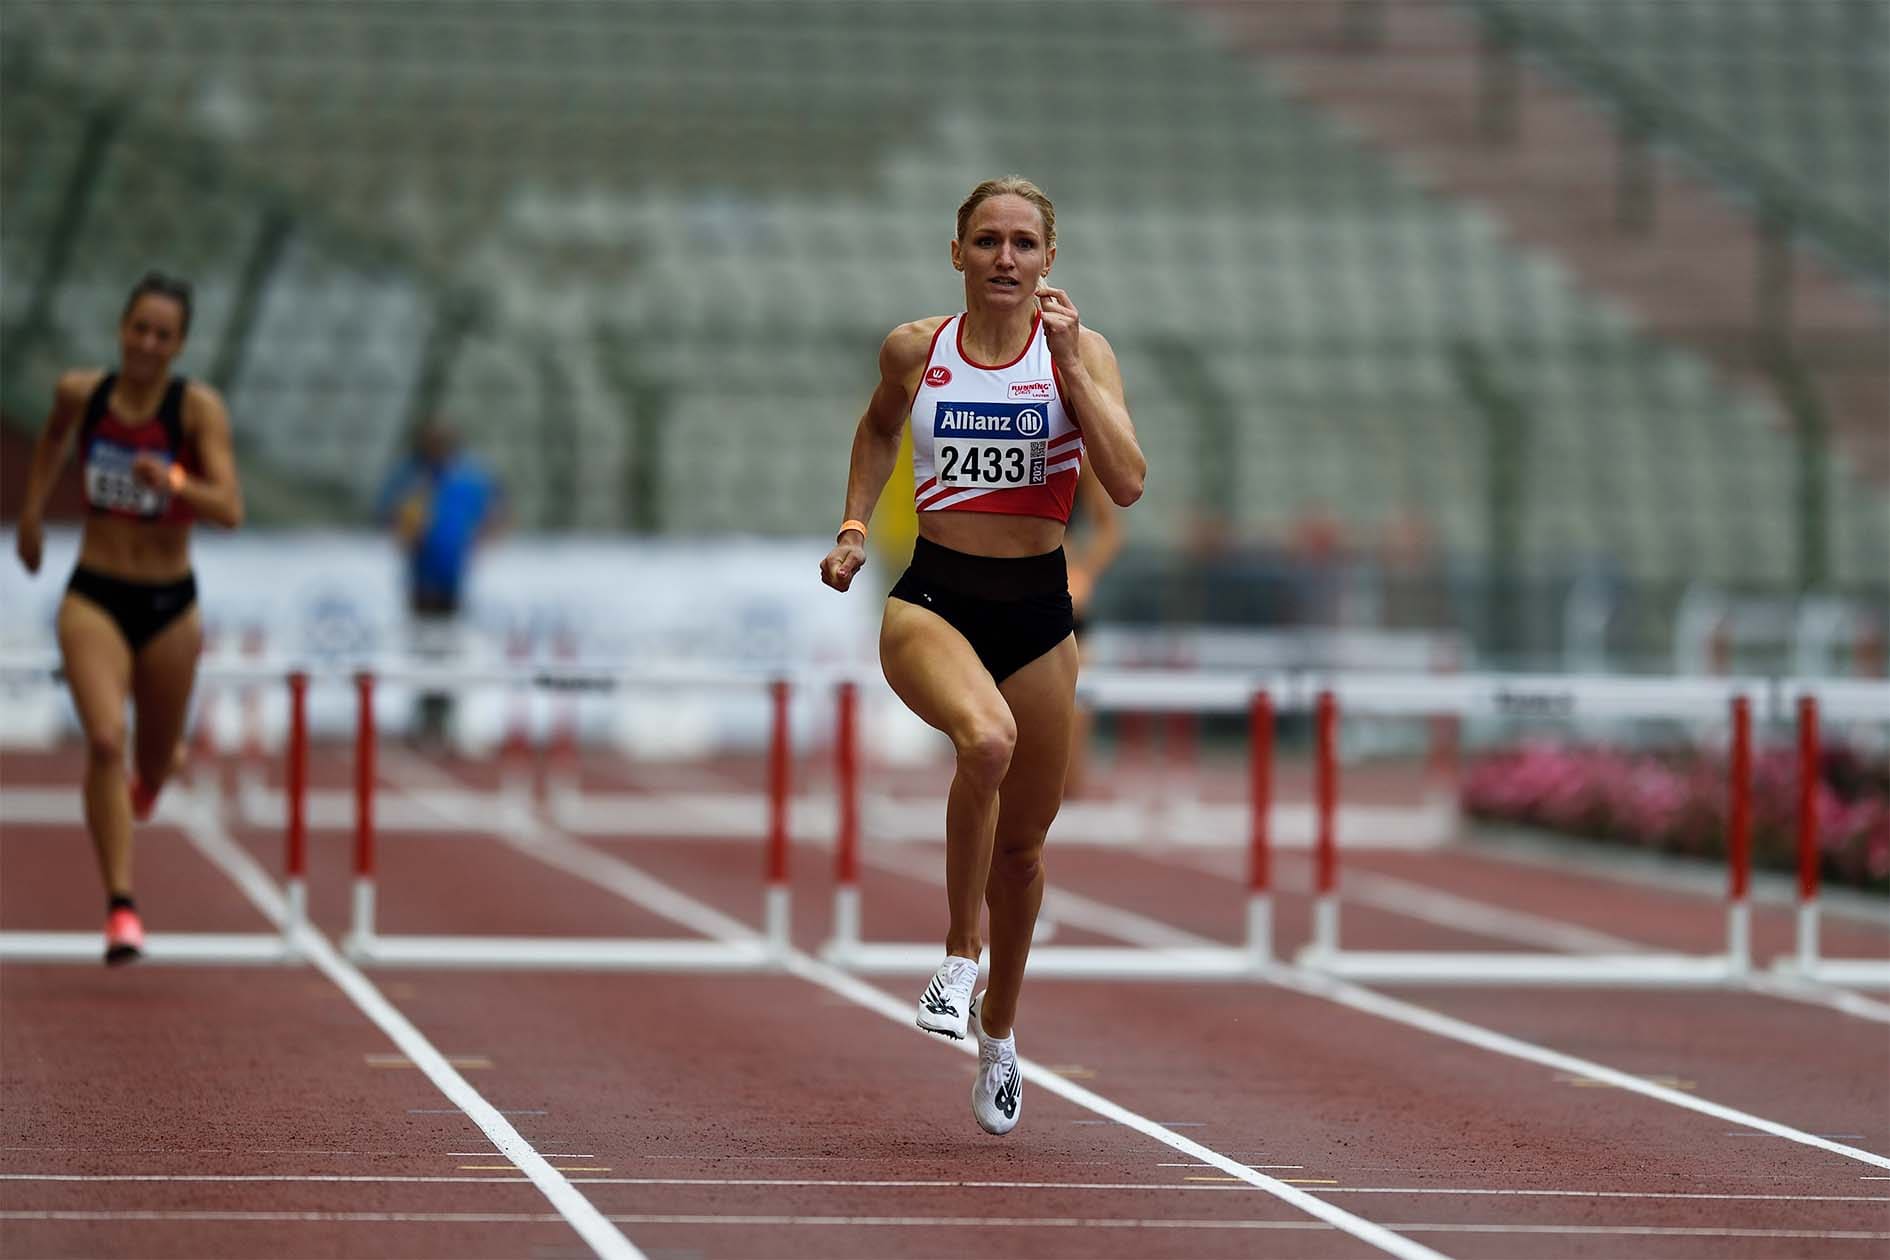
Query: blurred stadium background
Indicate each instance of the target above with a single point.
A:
(1553, 328)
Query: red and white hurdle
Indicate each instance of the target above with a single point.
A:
(513, 814)
(1845, 700)
(191, 808)
(1559, 698)
(1149, 692)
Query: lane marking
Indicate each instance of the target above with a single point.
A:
(1430, 905)
(207, 833)
(1294, 980)
(522, 831)
(454, 1111)
(900, 1012)
(610, 872)
(931, 1222)
(464, 1062)
(1094, 915)
(1451, 1028)
(1217, 1183)
(1794, 989)
(1670, 1082)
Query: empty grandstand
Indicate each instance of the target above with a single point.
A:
(618, 240)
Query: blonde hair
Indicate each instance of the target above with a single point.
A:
(1014, 186)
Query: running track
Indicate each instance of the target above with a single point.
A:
(222, 1111)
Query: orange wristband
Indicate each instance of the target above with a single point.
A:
(176, 476)
(846, 525)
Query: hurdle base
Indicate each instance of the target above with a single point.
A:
(564, 953)
(1859, 973)
(1066, 962)
(1468, 967)
(160, 948)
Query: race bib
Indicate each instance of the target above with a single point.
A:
(992, 445)
(111, 487)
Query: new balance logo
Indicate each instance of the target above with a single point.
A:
(1007, 1092)
(934, 1000)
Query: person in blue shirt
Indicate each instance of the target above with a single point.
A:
(440, 504)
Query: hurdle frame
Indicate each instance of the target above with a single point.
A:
(1549, 696)
(766, 950)
(1153, 692)
(1808, 702)
(205, 948)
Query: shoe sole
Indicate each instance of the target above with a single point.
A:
(950, 1034)
(119, 955)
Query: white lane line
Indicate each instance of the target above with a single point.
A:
(930, 1222)
(529, 835)
(846, 986)
(1420, 901)
(1412, 1016)
(1080, 911)
(1793, 989)
(207, 833)
(900, 1012)
(921, 1184)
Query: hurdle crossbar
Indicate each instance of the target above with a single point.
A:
(200, 948)
(1554, 697)
(1147, 692)
(366, 944)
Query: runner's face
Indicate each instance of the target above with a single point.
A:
(1003, 254)
(150, 336)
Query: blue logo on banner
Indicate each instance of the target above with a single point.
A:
(988, 420)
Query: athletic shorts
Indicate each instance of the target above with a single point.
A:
(1011, 610)
(141, 610)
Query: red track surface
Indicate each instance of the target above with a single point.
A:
(761, 1116)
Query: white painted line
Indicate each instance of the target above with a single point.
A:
(1430, 905)
(1365, 1231)
(849, 1184)
(206, 832)
(529, 836)
(1798, 989)
(599, 868)
(931, 1223)
(1412, 1016)
(1101, 918)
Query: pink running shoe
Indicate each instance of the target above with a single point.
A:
(143, 803)
(124, 937)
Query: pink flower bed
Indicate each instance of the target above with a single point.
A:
(1678, 803)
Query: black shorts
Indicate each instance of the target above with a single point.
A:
(141, 610)
(1011, 611)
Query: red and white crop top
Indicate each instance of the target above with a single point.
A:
(993, 439)
(108, 446)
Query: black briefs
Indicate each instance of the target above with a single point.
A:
(141, 610)
(1011, 610)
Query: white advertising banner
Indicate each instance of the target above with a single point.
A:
(333, 599)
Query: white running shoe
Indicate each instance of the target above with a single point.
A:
(944, 1005)
(997, 1095)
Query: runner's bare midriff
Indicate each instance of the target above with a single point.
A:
(135, 551)
(992, 533)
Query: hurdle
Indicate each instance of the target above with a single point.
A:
(1154, 692)
(761, 951)
(1853, 700)
(1555, 697)
(232, 948)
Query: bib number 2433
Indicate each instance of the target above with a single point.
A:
(966, 462)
